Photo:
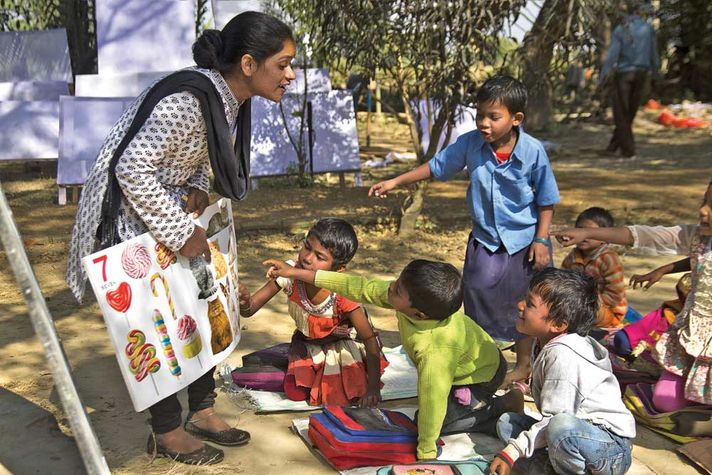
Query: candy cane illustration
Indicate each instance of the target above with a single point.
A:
(162, 331)
(154, 290)
(142, 357)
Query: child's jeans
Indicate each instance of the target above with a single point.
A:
(166, 413)
(574, 446)
(481, 414)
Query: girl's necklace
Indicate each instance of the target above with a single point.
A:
(322, 308)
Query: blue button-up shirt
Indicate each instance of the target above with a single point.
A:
(633, 48)
(504, 197)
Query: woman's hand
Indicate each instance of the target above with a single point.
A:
(646, 281)
(197, 201)
(381, 189)
(371, 398)
(279, 268)
(196, 245)
(571, 236)
(539, 255)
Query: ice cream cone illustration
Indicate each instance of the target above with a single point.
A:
(220, 331)
(188, 332)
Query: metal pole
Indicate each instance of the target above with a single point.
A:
(87, 442)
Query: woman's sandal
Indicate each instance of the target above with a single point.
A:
(206, 455)
(228, 437)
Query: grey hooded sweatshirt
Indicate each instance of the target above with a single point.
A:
(572, 374)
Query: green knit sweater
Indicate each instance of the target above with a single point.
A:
(454, 351)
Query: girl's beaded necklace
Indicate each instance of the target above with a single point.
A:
(322, 308)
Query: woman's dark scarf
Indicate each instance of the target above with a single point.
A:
(231, 166)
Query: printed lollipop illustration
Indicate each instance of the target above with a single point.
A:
(164, 256)
(120, 299)
(170, 355)
(142, 357)
(136, 261)
(188, 332)
(159, 277)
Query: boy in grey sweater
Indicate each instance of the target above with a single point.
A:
(585, 426)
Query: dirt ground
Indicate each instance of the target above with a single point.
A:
(663, 186)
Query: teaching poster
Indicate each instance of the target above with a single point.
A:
(170, 318)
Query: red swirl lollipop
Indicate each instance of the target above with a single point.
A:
(120, 298)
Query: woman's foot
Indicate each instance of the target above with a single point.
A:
(178, 440)
(207, 425)
(181, 447)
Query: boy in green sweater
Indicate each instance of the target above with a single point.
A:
(459, 366)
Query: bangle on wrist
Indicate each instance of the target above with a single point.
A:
(543, 241)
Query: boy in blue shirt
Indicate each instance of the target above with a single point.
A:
(511, 197)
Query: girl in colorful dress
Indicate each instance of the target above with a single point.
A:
(334, 357)
(685, 350)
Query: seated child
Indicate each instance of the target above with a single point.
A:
(459, 365)
(598, 260)
(333, 335)
(585, 424)
(640, 337)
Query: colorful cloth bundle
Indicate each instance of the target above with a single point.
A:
(263, 370)
(350, 437)
(683, 426)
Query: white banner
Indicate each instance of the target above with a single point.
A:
(170, 319)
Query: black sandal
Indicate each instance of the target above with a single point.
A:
(228, 437)
(206, 455)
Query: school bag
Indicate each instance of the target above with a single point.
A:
(263, 370)
(350, 437)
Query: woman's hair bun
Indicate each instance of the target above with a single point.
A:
(208, 50)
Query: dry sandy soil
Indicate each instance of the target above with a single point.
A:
(663, 186)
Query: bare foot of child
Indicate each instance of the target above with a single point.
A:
(511, 401)
(517, 374)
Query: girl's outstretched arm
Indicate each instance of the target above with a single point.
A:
(647, 280)
(373, 356)
(279, 268)
(250, 304)
(572, 236)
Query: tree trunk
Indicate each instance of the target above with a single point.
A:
(412, 208)
(537, 52)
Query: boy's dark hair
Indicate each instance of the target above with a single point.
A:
(338, 236)
(505, 90)
(600, 216)
(435, 288)
(571, 296)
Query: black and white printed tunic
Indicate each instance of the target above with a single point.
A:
(168, 155)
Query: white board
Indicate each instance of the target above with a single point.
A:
(29, 130)
(35, 56)
(135, 36)
(335, 135)
(164, 334)
(115, 85)
(33, 90)
(84, 124)
(465, 123)
(318, 78)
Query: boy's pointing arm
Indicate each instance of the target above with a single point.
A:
(359, 289)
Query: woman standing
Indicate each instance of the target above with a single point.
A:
(157, 157)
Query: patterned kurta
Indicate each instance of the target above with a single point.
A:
(168, 155)
(686, 348)
(606, 268)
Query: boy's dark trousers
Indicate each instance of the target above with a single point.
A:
(627, 94)
(482, 413)
(166, 413)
